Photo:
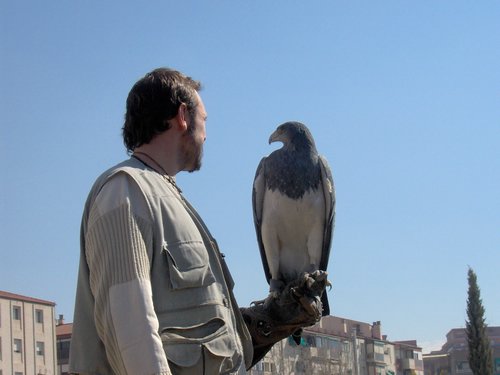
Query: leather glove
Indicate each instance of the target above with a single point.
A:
(276, 317)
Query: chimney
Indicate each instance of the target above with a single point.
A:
(377, 330)
(60, 321)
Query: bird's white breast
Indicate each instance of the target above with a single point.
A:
(292, 230)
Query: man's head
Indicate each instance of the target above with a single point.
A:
(153, 101)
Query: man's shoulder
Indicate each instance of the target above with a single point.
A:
(130, 167)
(116, 185)
(115, 174)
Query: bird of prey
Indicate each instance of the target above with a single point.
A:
(294, 208)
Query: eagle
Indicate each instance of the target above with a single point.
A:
(294, 208)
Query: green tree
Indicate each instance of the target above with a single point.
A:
(480, 360)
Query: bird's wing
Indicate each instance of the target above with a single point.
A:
(259, 190)
(329, 193)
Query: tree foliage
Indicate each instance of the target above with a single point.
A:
(480, 360)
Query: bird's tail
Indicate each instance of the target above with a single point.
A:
(326, 305)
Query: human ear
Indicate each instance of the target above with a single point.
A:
(182, 117)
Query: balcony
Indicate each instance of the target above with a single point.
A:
(375, 357)
(408, 364)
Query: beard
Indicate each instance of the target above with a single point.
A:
(192, 153)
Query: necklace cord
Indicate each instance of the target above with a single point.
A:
(164, 173)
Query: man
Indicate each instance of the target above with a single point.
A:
(154, 295)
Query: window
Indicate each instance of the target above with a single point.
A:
(311, 341)
(18, 345)
(357, 327)
(319, 342)
(409, 354)
(63, 350)
(462, 367)
(269, 367)
(39, 316)
(16, 313)
(300, 367)
(40, 348)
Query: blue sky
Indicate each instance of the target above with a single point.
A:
(402, 99)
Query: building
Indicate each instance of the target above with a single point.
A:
(342, 346)
(63, 342)
(409, 358)
(452, 358)
(333, 346)
(27, 335)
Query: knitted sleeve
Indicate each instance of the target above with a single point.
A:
(118, 250)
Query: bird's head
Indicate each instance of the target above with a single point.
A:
(293, 135)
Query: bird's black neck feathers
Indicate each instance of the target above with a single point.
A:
(293, 172)
(301, 141)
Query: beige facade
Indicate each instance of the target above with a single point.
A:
(27, 335)
(344, 347)
(333, 346)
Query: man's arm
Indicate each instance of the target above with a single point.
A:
(118, 250)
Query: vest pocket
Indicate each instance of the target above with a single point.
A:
(188, 265)
(206, 348)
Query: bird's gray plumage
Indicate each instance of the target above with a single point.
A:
(294, 207)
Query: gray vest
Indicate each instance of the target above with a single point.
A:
(200, 323)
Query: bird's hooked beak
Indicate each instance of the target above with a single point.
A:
(277, 136)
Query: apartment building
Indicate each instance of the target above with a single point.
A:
(333, 346)
(27, 335)
(452, 358)
(63, 342)
(409, 358)
(342, 346)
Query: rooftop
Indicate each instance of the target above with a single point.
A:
(64, 330)
(18, 297)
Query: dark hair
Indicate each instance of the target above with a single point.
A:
(153, 101)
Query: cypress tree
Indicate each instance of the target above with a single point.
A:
(480, 360)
